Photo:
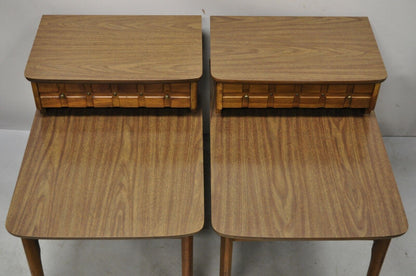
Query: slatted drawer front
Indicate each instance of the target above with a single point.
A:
(238, 95)
(158, 95)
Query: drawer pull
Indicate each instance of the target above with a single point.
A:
(246, 96)
(62, 95)
(167, 96)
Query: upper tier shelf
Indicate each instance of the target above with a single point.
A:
(295, 62)
(83, 52)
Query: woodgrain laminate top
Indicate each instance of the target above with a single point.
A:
(294, 49)
(302, 174)
(110, 174)
(116, 48)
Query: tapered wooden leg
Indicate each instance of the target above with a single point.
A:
(378, 253)
(32, 251)
(226, 256)
(187, 256)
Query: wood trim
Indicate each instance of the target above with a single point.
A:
(375, 96)
(219, 95)
(194, 95)
(114, 92)
(36, 95)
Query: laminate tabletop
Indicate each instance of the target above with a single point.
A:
(294, 50)
(302, 174)
(110, 174)
(102, 48)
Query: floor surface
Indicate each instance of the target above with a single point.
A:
(162, 256)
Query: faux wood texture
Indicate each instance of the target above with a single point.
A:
(302, 174)
(294, 49)
(116, 48)
(81, 95)
(110, 174)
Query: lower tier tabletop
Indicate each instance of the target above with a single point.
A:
(110, 174)
(302, 174)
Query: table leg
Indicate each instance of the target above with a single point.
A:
(187, 256)
(32, 250)
(226, 256)
(378, 253)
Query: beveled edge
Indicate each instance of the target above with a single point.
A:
(259, 238)
(181, 235)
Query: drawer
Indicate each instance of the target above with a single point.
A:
(242, 95)
(283, 101)
(232, 101)
(359, 101)
(363, 89)
(311, 101)
(50, 99)
(258, 101)
(335, 101)
(250, 100)
(129, 95)
(285, 95)
(102, 95)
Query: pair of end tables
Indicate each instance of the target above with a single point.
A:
(306, 163)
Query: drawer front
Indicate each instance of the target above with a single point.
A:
(247, 95)
(240, 95)
(129, 95)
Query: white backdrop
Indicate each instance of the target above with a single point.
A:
(393, 23)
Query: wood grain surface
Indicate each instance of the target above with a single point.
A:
(110, 174)
(116, 48)
(294, 49)
(302, 174)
